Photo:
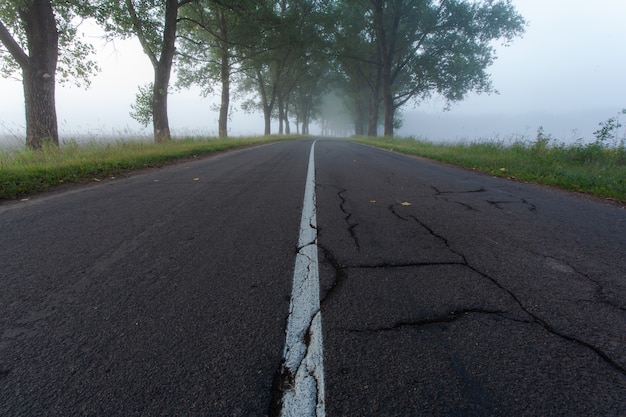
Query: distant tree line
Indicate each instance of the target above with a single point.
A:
(286, 58)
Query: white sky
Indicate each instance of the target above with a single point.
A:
(567, 73)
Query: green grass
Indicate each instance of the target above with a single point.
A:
(590, 168)
(25, 171)
(586, 168)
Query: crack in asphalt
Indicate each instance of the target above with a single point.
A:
(467, 206)
(391, 208)
(443, 319)
(536, 319)
(496, 204)
(341, 276)
(348, 215)
(439, 192)
(389, 265)
(600, 295)
(285, 375)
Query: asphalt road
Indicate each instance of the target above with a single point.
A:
(443, 292)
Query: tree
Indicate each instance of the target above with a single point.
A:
(154, 24)
(211, 34)
(435, 46)
(267, 60)
(281, 57)
(40, 39)
(357, 56)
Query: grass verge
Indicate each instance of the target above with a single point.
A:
(25, 172)
(587, 168)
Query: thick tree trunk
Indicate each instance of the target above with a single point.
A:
(388, 100)
(385, 39)
(38, 70)
(41, 116)
(162, 72)
(267, 117)
(374, 107)
(359, 116)
(359, 119)
(224, 105)
(160, 121)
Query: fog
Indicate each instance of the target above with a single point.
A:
(566, 74)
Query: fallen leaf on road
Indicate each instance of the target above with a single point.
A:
(372, 201)
(196, 179)
(406, 203)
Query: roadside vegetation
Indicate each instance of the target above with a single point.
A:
(282, 58)
(597, 168)
(25, 171)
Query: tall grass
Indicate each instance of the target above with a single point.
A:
(23, 171)
(589, 168)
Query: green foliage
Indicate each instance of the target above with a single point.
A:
(75, 64)
(406, 50)
(609, 129)
(542, 142)
(142, 109)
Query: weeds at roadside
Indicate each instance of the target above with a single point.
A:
(593, 168)
(24, 171)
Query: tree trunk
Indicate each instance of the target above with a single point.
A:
(225, 76)
(224, 105)
(374, 107)
(286, 114)
(360, 112)
(162, 72)
(160, 121)
(281, 114)
(388, 100)
(267, 116)
(268, 105)
(38, 70)
(41, 116)
(385, 39)
(359, 117)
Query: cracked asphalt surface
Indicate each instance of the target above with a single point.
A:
(443, 292)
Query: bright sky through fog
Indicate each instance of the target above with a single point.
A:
(566, 74)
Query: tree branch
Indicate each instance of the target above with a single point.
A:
(141, 35)
(13, 47)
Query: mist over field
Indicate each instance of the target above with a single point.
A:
(567, 127)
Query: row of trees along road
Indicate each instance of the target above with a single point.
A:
(283, 57)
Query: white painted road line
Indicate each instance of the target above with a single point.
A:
(303, 356)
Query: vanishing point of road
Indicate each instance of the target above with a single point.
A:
(394, 286)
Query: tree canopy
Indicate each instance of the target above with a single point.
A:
(39, 42)
(286, 56)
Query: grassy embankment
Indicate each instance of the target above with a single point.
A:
(588, 168)
(25, 172)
